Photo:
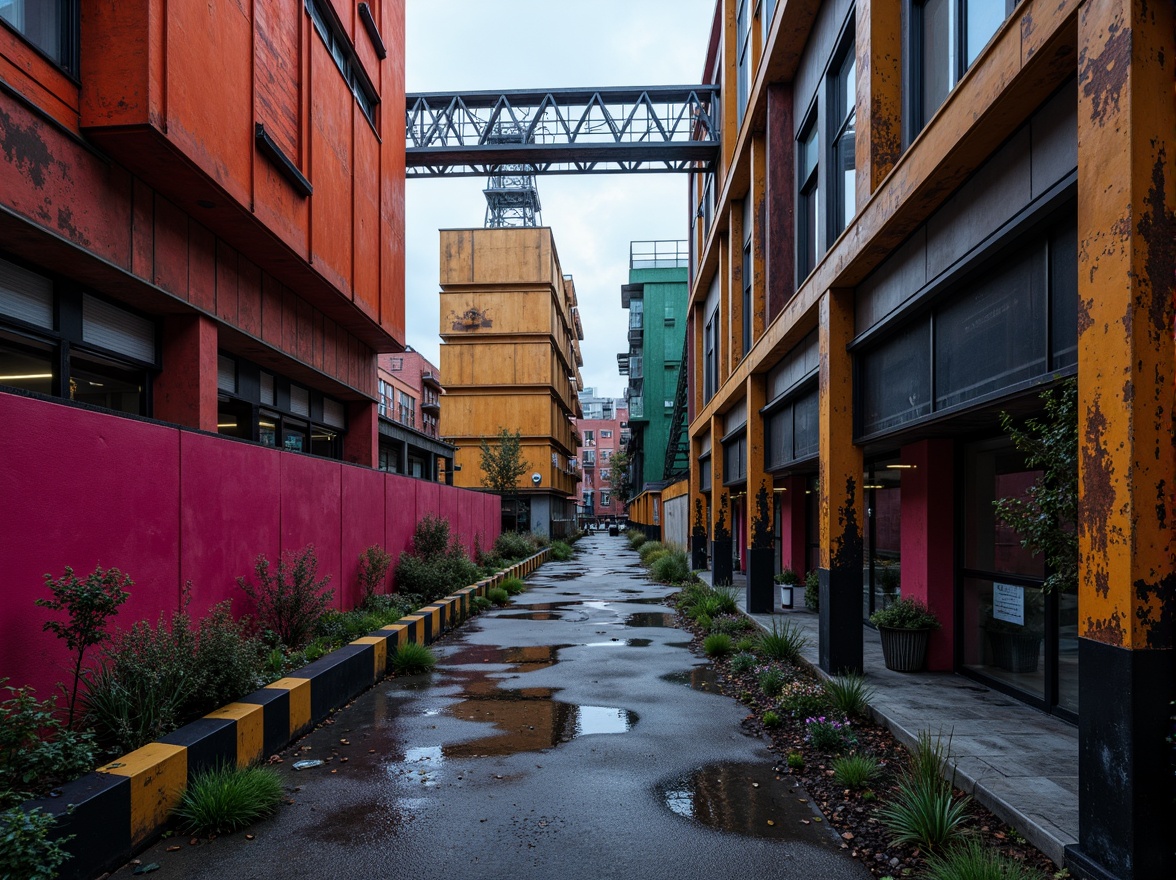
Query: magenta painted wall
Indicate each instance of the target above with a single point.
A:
(169, 506)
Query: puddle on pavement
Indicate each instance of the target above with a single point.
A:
(358, 823)
(620, 643)
(677, 644)
(747, 799)
(700, 678)
(651, 618)
(522, 659)
(530, 615)
(527, 720)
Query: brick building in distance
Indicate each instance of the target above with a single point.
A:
(409, 404)
(604, 431)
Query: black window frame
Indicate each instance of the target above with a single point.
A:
(326, 23)
(747, 294)
(808, 193)
(70, 32)
(710, 357)
(842, 121)
(743, 19)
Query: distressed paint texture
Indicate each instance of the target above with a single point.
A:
(1127, 268)
(841, 464)
(879, 93)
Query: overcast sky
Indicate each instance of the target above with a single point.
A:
(515, 44)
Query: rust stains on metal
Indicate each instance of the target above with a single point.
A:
(26, 150)
(1155, 610)
(885, 136)
(1157, 228)
(1098, 491)
(1109, 631)
(1104, 76)
(847, 549)
(66, 225)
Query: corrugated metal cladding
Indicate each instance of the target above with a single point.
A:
(117, 330)
(25, 295)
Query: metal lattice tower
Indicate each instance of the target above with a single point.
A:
(512, 196)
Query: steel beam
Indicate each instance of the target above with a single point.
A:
(563, 131)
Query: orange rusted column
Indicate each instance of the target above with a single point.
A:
(1127, 461)
(878, 142)
(841, 519)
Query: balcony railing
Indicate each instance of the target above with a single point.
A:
(659, 255)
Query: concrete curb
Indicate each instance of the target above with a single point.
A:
(121, 807)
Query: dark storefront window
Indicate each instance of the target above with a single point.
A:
(882, 574)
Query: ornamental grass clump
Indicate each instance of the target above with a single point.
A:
(970, 859)
(498, 596)
(635, 538)
(561, 551)
(783, 643)
(649, 549)
(513, 585)
(925, 811)
(225, 799)
(513, 546)
(771, 680)
(413, 659)
(671, 568)
(849, 695)
(717, 645)
(855, 771)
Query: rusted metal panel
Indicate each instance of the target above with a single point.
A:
(201, 268)
(142, 230)
(170, 269)
(365, 280)
(781, 176)
(271, 310)
(248, 297)
(226, 282)
(878, 144)
(1127, 360)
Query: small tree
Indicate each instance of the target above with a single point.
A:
(1046, 518)
(374, 563)
(618, 476)
(90, 603)
(289, 601)
(503, 465)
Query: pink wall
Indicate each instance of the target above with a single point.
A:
(167, 506)
(928, 540)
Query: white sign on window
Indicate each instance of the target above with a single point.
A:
(1008, 603)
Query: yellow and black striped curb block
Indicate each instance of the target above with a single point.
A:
(123, 805)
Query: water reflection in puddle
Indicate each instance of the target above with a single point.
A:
(620, 643)
(522, 659)
(700, 678)
(747, 799)
(651, 618)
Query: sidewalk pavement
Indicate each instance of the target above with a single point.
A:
(1017, 761)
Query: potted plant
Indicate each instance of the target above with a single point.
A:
(787, 579)
(905, 628)
(1016, 647)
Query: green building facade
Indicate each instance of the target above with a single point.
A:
(656, 300)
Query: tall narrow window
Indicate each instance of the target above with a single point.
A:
(50, 25)
(747, 294)
(808, 202)
(948, 36)
(843, 118)
(743, 52)
(709, 358)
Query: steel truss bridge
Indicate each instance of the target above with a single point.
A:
(561, 131)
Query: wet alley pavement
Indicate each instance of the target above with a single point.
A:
(571, 734)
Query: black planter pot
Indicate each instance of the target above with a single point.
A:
(721, 571)
(698, 552)
(904, 650)
(1015, 652)
(760, 580)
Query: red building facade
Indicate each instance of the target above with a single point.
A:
(604, 432)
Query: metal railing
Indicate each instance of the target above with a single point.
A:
(659, 255)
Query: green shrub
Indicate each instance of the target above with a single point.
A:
(732, 624)
(783, 643)
(771, 719)
(498, 595)
(144, 684)
(289, 600)
(849, 695)
(829, 734)
(26, 850)
(228, 661)
(513, 546)
(704, 621)
(746, 645)
(795, 761)
(970, 859)
(36, 749)
(636, 539)
(513, 585)
(89, 604)
(436, 564)
(742, 661)
(561, 551)
(374, 563)
(717, 645)
(812, 590)
(802, 698)
(540, 541)
(648, 548)
(855, 771)
(413, 659)
(652, 559)
(478, 604)
(905, 614)
(771, 681)
(672, 568)
(225, 799)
